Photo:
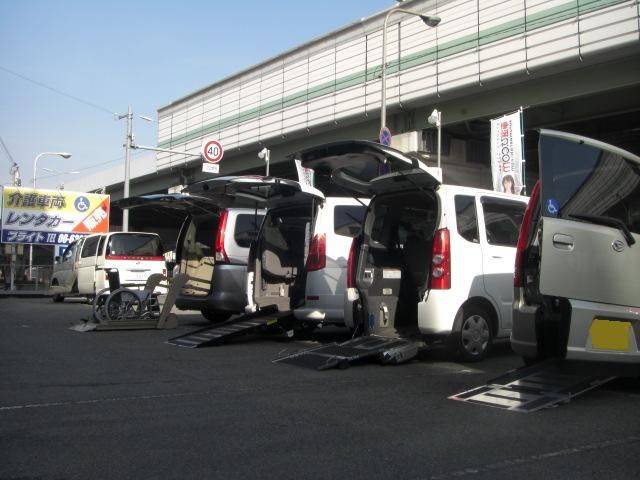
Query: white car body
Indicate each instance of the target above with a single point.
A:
(83, 266)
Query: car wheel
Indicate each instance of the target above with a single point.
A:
(57, 298)
(215, 316)
(473, 341)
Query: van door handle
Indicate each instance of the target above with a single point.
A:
(563, 241)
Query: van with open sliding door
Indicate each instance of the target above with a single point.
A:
(298, 260)
(576, 285)
(433, 261)
(211, 249)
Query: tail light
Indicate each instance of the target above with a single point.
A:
(351, 265)
(317, 258)
(441, 261)
(220, 252)
(523, 235)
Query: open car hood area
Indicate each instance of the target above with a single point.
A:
(354, 164)
(252, 189)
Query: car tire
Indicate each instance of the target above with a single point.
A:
(57, 298)
(472, 342)
(215, 316)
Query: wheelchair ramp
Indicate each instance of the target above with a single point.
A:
(532, 388)
(245, 324)
(341, 355)
(90, 326)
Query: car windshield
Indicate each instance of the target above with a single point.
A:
(134, 244)
(581, 180)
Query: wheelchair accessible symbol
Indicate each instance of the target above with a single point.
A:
(552, 207)
(82, 204)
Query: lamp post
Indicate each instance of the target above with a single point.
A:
(436, 119)
(429, 20)
(35, 166)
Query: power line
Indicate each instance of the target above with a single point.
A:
(59, 92)
(95, 165)
(6, 150)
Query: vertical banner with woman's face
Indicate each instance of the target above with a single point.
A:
(507, 159)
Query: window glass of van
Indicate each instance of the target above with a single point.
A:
(69, 251)
(246, 231)
(134, 244)
(467, 218)
(502, 220)
(103, 238)
(580, 179)
(90, 247)
(347, 219)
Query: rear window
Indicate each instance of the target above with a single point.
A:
(580, 179)
(347, 219)
(502, 220)
(134, 244)
(246, 231)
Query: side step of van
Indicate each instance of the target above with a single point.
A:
(532, 388)
(341, 355)
(220, 333)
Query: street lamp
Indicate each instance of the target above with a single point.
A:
(436, 119)
(429, 20)
(35, 166)
(35, 161)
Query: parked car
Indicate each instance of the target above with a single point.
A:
(576, 289)
(432, 260)
(81, 270)
(298, 261)
(212, 248)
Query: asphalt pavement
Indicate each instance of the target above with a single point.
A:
(127, 405)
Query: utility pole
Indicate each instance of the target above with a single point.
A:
(127, 164)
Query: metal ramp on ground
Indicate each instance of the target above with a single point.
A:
(385, 350)
(532, 388)
(245, 324)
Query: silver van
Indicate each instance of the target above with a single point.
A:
(212, 249)
(576, 288)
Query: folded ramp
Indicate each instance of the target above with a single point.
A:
(341, 355)
(532, 388)
(243, 325)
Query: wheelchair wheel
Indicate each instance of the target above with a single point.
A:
(123, 305)
(98, 313)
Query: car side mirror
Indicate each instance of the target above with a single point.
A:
(57, 259)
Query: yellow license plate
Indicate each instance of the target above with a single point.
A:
(610, 335)
(271, 321)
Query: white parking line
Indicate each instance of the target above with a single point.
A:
(504, 464)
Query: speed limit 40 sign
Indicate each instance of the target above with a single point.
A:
(212, 151)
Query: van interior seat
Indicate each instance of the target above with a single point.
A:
(273, 267)
(417, 259)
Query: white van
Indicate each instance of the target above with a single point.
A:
(433, 260)
(82, 268)
(298, 261)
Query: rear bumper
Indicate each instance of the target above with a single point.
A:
(228, 291)
(580, 343)
(437, 314)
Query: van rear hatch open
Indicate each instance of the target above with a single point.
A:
(394, 262)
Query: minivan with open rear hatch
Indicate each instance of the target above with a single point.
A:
(433, 261)
(211, 248)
